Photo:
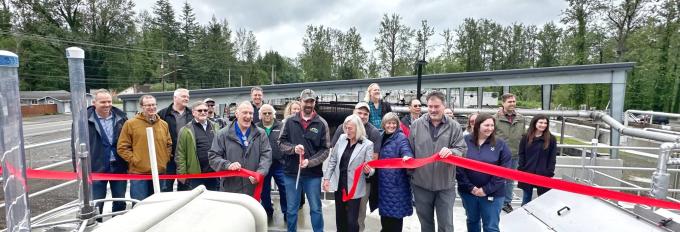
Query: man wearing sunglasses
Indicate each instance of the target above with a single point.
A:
(272, 127)
(193, 143)
(414, 109)
(212, 116)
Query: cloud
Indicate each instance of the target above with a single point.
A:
(280, 25)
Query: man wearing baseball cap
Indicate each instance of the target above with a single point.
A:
(305, 143)
(212, 116)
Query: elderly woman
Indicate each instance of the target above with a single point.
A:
(483, 194)
(394, 191)
(351, 150)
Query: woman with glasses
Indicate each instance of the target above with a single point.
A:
(394, 189)
(483, 194)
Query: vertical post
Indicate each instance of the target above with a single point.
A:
(174, 71)
(13, 160)
(547, 94)
(564, 121)
(506, 89)
(241, 80)
(152, 158)
(480, 97)
(80, 140)
(618, 93)
(229, 78)
(661, 177)
(272, 74)
(461, 95)
(420, 65)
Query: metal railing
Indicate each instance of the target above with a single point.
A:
(660, 175)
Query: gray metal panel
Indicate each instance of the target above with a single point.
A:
(584, 214)
(583, 74)
(522, 220)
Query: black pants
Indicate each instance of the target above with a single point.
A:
(390, 224)
(346, 213)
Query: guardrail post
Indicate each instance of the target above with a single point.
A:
(17, 212)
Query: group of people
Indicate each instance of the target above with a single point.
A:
(192, 138)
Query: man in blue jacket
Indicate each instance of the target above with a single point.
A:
(104, 124)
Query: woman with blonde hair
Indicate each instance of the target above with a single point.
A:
(378, 108)
(351, 150)
(293, 107)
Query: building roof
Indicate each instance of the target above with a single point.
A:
(61, 95)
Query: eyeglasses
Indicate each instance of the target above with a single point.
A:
(149, 105)
(267, 113)
(202, 111)
(210, 105)
(415, 105)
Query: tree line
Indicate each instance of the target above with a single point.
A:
(164, 47)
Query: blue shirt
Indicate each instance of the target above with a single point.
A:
(498, 154)
(241, 137)
(107, 125)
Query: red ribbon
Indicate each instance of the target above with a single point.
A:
(60, 175)
(512, 174)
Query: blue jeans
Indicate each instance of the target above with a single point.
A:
(140, 189)
(510, 184)
(312, 188)
(212, 184)
(167, 185)
(118, 188)
(275, 171)
(483, 208)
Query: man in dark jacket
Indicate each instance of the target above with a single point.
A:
(272, 127)
(177, 114)
(214, 116)
(104, 122)
(305, 143)
(241, 145)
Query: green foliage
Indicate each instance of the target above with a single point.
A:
(124, 47)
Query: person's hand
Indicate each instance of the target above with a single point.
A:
(326, 185)
(252, 179)
(304, 163)
(374, 156)
(478, 192)
(367, 169)
(444, 152)
(406, 158)
(235, 166)
(299, 149)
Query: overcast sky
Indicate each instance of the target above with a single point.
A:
(280, 25)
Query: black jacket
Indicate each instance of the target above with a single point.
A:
(168, 117)
(99, 161)
(534, 159)
(315, 139)
(277, 156)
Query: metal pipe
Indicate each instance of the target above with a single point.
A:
(661, 177)
(55, 223)
(80, 140)
(614, 168)
(670, 115)
(13, 159)
(57, 141)
(562, 135)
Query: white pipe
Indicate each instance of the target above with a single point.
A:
(152, 158)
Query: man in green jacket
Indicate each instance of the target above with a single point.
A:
(510, 126)
(193, 143)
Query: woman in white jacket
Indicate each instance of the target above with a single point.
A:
(351, 150)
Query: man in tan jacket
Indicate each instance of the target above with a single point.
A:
(133, 146)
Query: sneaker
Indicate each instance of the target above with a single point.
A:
(507, 208)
